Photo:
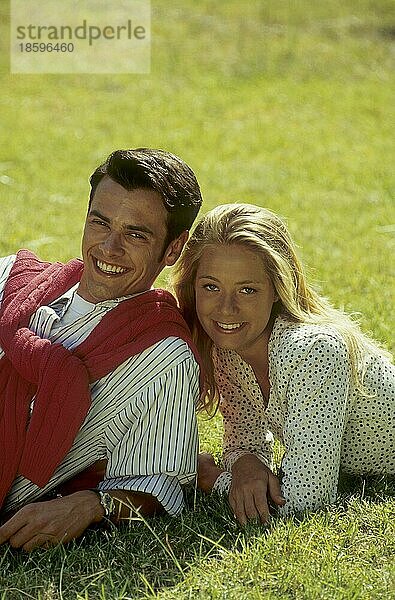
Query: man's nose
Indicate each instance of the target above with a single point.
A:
(112, 244)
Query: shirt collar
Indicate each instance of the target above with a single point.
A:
(61, 304)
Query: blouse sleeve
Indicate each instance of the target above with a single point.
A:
(245, 427)
(313, 429)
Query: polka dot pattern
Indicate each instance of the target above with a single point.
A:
(324, 423)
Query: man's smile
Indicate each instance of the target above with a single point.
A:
(108, 268)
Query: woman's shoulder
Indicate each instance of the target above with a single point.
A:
(292, 341)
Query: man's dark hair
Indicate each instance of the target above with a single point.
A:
(160, 171)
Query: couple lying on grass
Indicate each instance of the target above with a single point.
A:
(99, 373)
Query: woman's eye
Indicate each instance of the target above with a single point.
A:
(210, 287)
(248, 291)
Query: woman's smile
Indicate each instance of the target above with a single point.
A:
(229, 327)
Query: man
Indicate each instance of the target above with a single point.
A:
(97, 368)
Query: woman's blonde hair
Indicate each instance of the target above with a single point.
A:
(264, 233)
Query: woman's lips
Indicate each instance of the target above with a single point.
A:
(229, 328)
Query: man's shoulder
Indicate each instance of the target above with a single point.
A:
(164, 355)
(170, 350)
(171, 358)
(6, 263)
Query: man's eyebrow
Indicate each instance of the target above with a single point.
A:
(141, 228)
(96, 213)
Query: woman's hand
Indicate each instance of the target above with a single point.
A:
(252, 485)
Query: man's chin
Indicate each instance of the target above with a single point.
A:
(93, 295)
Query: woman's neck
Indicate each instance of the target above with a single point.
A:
(257, 356)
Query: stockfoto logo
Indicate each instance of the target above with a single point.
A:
(80, 36)
(82, 32)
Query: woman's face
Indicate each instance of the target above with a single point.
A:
(234, 298)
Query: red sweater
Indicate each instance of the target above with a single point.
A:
(58, 378)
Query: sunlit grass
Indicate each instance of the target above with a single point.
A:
(287, 105)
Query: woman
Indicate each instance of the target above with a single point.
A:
(285, 363)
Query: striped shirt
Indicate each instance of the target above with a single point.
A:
(142, 416)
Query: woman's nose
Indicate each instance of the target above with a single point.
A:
(228, 304)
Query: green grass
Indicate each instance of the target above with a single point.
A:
(285, 104)
(346, 552)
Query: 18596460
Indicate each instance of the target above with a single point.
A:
(46, 47)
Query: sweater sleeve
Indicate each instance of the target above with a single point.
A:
(317, 402)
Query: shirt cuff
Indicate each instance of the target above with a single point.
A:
(167, 490)
(222, 483)
(231, 457)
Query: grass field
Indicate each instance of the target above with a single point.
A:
(283, 104)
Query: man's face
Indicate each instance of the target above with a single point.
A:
(122, 244)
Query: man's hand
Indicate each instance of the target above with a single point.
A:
(208, 472)
(252, 484)
(52, 522)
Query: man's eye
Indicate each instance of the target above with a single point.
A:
(248, 291)
(135, 235)
(99, 222)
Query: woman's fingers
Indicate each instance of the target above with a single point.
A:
(250, 502)
(262, 506)
(274, 491)
(237, 503)
(253, 485)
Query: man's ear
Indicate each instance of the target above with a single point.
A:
(174, 249)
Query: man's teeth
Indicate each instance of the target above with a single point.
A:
(109, 268)
(229, 325)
